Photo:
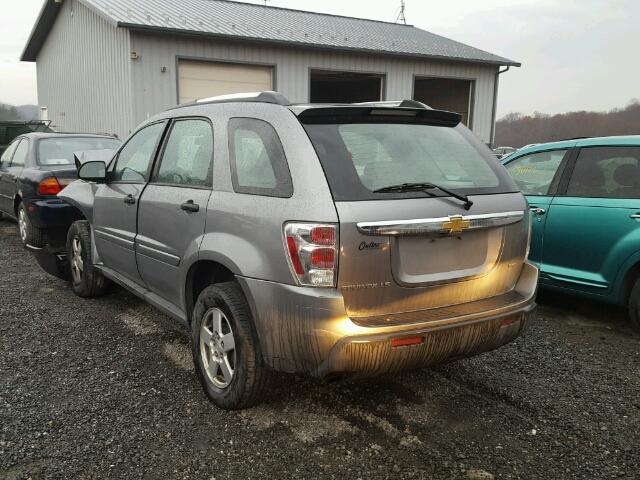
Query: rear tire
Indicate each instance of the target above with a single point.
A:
(29, 234)
(634, 306)
(226, 355)
(86, 280)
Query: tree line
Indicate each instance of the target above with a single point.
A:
(9, 112)
(517, 130)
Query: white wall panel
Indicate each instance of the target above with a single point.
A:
(155, 90)
(83, 73)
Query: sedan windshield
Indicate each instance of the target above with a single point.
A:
(60, 150)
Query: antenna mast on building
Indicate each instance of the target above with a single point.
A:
(401, 17)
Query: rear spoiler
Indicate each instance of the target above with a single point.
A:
(378, 114)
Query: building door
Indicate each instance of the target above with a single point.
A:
(345, 87)
(451, 94)
(200, 79)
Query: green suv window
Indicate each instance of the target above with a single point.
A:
(534, 173)
(607, 172)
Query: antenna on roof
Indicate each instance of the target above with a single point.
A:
(265, 2)
(401, 17)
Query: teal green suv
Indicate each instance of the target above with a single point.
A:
(584, 197)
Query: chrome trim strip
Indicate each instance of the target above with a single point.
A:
(435, 225)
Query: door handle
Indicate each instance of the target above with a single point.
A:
(635, 215)
(538, 210)
(129, 200)
(190, 207)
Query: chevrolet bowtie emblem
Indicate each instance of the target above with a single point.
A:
(455, 224)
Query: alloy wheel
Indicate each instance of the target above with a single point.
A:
(217, 347)
(77, 264)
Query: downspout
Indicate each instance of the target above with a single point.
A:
(495, 105)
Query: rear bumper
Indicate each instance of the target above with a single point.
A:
(52, 261)
(307, 330)
(51, 213)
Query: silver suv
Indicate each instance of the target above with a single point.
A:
(355, 239)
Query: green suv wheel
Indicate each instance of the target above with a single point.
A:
(634, 306)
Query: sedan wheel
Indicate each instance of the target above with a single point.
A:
(22, 225)
(217, 348)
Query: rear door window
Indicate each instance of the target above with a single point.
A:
(359, 158)
(5, 160)
(187, 159)
(20, 155)
(606, 172)
(534, 173)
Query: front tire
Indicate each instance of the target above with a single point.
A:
(86, 280)
(634, 306)
(29, 234)
(226, 355)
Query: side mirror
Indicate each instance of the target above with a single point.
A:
(95, 171)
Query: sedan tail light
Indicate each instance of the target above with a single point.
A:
(53, 186)
(49, 186)
(312, 250)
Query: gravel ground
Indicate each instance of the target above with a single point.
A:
(105, 389)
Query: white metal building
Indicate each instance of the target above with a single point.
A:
(106, 65)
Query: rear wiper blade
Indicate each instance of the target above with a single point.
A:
(423, 187)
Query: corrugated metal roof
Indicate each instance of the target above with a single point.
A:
(229, 19)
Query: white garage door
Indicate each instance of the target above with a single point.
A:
(197, 79)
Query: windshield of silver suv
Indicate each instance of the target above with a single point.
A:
(60, 150)
(367, 161)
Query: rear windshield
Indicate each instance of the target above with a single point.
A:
(59, 150)
(359, 158)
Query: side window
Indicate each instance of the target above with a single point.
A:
(258, 163)
(134, 158)
(534, 173)
(609, 172)
(20, 155)
(6, 155)
(188, 154)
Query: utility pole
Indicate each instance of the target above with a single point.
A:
(401, 17)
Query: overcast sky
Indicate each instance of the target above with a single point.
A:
(575, 54)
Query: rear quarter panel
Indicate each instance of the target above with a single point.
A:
(245, 232)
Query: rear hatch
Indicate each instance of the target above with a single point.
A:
(450, 235)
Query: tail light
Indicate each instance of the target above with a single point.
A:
(312, 250)
(53, 186)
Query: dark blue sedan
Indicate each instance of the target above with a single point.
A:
(33, 169)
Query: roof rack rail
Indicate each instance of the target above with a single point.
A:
(260, 97)
(396, 103)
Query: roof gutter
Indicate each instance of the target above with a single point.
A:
(492, 138)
